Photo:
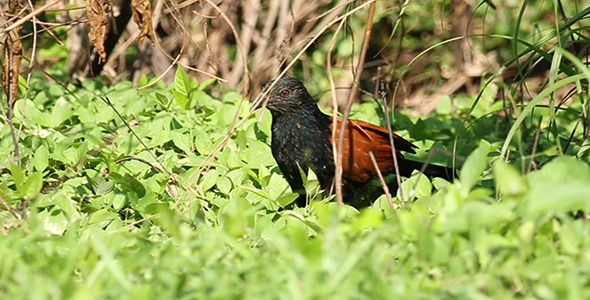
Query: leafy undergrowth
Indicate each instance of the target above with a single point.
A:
(89, 213)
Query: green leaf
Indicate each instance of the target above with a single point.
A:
(182, 88)
(224, 184)
(417, 186)
(27, 186)
(41, 158)
(236, 216)
(369, 218)
(562, 168)
(257, 154)
(162, 99)
(203, 142)
(17, 175)
(34, 184)
(206, 83)
(102, 186)
(508, 181)
(277, 186)
(287, 199)
(65, 205)
(102, 216)
(182, 141)
(474, 215)
(209, 179)
(128, 183)
(62, 110)
(6, 193)
(474, 166)
(570, 196)
(560, 185)
(119, 200)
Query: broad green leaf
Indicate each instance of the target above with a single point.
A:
(162, 99)
(474, 166)
(54, 222)
(474, 215)
(209, 179)
(206, 83)
(65, 205)
(286, 199)
(101, 216)
(508, 181)
(257, 154)
(182, 141)
(224, 184)
(368, 218)
(102, 186)
(182, 88)
(32, 185)
(62, 110)
(236, 216)
(203, 142)
(128, 183)
(570, 196)
(205, 100)
(277, 186)
(41, 158)
(119, 200)
(562, 168)
(17, 175)
(417, 186)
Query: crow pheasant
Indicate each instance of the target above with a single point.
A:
(302, 138)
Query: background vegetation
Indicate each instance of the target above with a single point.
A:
(144, 174)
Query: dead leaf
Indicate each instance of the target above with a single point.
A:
(13, 55)
(142, 16)
(97, 20)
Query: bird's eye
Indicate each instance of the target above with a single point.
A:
(284, 93)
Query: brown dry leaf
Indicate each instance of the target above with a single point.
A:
(97, 20)
(13, 52)
(142, 16)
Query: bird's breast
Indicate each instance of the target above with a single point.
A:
(302, 143)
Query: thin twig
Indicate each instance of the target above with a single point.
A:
(9, 208)
(571, 138)
(29, 16)
(351, 97)
(145, 146)
(185, 31)
(157, 79)
(238, 43)
(31, 65)
(393, 150)
(535, 144)
(11, 98)
(383, 183)
(333, 94)
(128, 158)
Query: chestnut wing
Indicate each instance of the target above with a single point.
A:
(362, 138)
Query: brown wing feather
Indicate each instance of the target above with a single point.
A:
(362, 138)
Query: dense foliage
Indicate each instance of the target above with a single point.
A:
(97, 226)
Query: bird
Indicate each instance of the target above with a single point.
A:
(301, 137)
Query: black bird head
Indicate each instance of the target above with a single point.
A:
(287, 95)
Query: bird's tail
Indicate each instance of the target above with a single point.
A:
(408, 166)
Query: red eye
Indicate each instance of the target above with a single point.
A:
(284, 93)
